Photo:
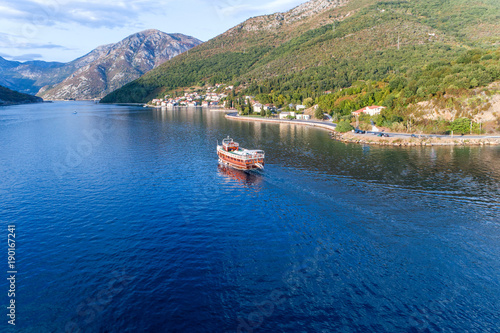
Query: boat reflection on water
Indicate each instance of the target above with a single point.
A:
(242, 177)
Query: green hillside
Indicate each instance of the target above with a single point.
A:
(10, 97)
(409, 51)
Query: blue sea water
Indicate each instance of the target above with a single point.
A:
(126, 223)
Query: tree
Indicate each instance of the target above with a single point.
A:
(308, 102)
(248, 106)
(319, 114)
(344, 126)
(461, 126)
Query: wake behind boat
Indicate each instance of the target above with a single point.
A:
(231, 154)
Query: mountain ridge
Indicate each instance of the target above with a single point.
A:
(276, 20)
(55, 80)
(335, 44)
(234, 42)
(109, 67)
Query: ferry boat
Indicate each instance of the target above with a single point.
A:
(231, 154)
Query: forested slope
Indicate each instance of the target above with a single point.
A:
(403, 51)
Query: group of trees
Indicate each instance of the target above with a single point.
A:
(448, 80)
(186, 71)
(464, 126)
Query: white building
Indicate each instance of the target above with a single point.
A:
(303, 116)
(257, 107)
(371, 110)
(284, 115)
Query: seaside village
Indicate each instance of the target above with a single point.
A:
(211, 98)
(214, 97)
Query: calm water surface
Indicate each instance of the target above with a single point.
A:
(125, 223)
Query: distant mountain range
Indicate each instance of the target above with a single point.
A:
(325, 45)
(98, 73)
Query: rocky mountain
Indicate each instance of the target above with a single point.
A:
(28, 77)
(109, 67)
(11, 97)
(325, 45)
(278, 20)
(98, 73)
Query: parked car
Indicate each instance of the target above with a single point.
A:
(414, 136)
(358, 131)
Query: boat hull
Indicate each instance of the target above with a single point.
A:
(237, 163)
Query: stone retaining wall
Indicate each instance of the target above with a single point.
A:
(373, 140)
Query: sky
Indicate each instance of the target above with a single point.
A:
(63, 30)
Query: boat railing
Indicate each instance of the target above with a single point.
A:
(254, 156)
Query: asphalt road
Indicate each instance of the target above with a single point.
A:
(399, 135)
(405, 135)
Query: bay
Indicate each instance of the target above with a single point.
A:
(126, 223)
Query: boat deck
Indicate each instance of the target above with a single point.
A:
(242, 152)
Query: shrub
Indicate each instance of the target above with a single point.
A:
(319, 114)
(398, 127)
(308, 102)
(344, 126)
(365, 126)
(460, 126)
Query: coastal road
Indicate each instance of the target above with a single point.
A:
(328, 124)
(424, 136)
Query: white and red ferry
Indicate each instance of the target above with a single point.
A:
(231, 154)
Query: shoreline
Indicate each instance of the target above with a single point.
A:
(327, 126)
(214, 108)
(399, 140)
(367, 139)
(3, 103)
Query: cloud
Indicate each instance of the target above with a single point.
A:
(44, 46)
(90, 13)
(121, 13)
(22, 57)
(247, 8)
(27, 57)
(14, 42)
